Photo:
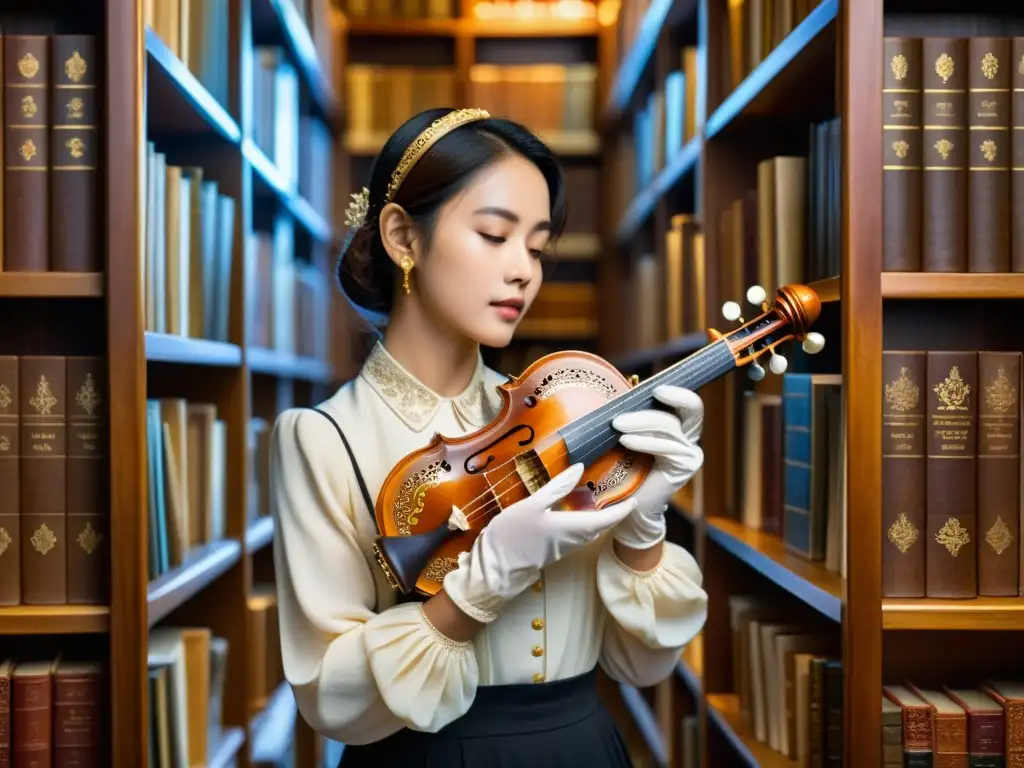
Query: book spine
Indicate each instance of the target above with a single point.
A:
(26, 154)
(796, 489)
(951, 741)
(10, 499)
(88, 553)
(988, 123)
(1017, 163)
(904, 477)
(43, 471)
(998, 472)
(901, 173)
(834, 717)
(5, 720)
(78, 719)
(32, 714)
(952, 531)
(944, 178)
(74, 154)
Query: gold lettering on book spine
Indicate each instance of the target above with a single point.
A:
(27, 149)
(902, 394)
(903, 534)
(89, 539)
(999, 536)
(944, 66)
(75, 67)
(5, 398)
(988, 149)
(28, 66)
(952, 391)
(28, 106)
(43, 400)
(953, 536)
(1001, 395)
(989, 66)
(899, 67)
(88, 398)
(43, 540)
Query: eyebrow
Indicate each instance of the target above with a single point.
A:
(506, 214)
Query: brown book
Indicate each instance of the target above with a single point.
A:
(917, 725)
(1017, 163)
(986, 726)
(988, 123)
(892, 734)
(950, 724)
(901, 172)
(952, 531)
(32, 713)
(904, 480)
(998, 472)
(78, 723)
(944, 181)
(6, 667)
(74, 154)
(88, 553)
(771, 469)
(26, 153)
(43, 473)
(1010, 696)
(10, 498)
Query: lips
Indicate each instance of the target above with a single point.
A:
(510, 303)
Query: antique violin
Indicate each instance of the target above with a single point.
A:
(558, 412)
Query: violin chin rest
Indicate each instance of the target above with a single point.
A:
(406, 557)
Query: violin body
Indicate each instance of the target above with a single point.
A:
(494, 467)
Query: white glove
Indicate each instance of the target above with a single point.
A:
(672, 439)
(518, 542)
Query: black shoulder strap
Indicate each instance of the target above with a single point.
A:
(355, 464)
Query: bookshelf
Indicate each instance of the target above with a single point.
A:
(199, 110)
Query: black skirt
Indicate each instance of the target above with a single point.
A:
(561, 724)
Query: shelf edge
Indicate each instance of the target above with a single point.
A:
(643, 205)
(185, 350)
(203, 566)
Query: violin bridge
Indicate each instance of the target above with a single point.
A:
(531, 471)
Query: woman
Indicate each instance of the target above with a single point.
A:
(499, 666)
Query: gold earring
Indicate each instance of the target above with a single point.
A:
(407, 266)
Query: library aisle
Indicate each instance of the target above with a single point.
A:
(176, 177)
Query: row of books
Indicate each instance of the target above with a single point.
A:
(186, 445)
(53, 712)
(951, 474)
(266, 671)
(54, 537)
(52, 128)
(257, 458)
(195, 31)
(953, 199)
(400, 9)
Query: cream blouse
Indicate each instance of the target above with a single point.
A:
(362, 667)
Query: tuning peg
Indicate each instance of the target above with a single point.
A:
(813, 343)
(731, 310)
(756, 372)
(756, 295)
(778, 364)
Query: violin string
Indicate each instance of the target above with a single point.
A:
(472, 513)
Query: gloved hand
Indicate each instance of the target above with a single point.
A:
(672, 439)
(517, 543)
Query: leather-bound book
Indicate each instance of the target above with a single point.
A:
(74, 145)
(6, 668)
(78, 707)
(998, 472)
(10, 506)
(892, 734)
(32, 714)
(26, 154)
(988, 123)
(1009, 695)
(88, 565)
(950, 724)
(43, 474)
(986, 727)
(917, 725)
(904, 479)
(944, 180)
(901, 173)
(1017, 163)
(952, 531)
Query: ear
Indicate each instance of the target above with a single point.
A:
(398, 233)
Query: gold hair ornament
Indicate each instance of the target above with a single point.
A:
(435, 131)
(355, 214)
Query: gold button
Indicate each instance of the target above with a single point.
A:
(538, 651)
(537, 623)
(538, 678)
(538, 585)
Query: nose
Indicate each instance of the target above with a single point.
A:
(519, 267)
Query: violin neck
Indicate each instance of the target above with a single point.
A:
(591, 436)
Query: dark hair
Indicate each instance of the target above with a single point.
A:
(365, 271)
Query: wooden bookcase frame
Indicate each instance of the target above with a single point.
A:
(212, 587)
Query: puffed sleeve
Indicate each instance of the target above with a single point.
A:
(357, 675)
(652, 615)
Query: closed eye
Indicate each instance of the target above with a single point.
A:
(492, 238)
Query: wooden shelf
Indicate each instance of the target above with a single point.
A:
(572, 143)
(278, 22)
(170, 348)
(54, 619)
(809, 581)
(952, 285)
(724, 711)
(269, 182)
(673, 350)
(272, 729)
(177, 102)
(51, 285)
(785, 72)
(980, 614)
(646, 722)
(274, 363)
(231, 743)
(511, 27)
(259, 534)
(690, 668)
(203, 566)
(640, 210)
(659, 14)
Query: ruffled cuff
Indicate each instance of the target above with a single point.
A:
(424, 677)
(663, 608)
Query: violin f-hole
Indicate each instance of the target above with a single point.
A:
(474, 470)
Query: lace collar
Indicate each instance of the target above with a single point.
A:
(415, 403)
